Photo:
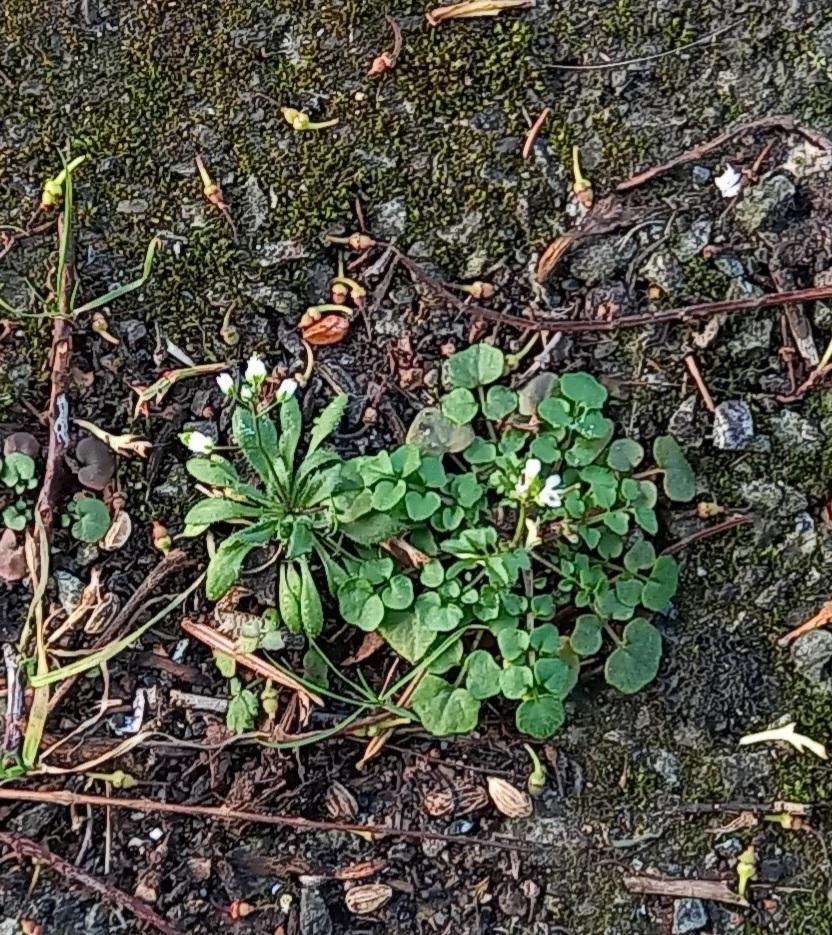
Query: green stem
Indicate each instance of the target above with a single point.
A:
(521, 525)
(611, 633)
(491, 433)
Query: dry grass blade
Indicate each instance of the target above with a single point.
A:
(37, 560)
(472, 9)
(716, 890)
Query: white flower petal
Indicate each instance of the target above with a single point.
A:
(226, 384)
(255, 370)
(198, 443)
(286, 389)
(729, 183)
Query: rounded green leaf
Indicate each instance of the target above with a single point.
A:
(499, 402)
(545, 449)
(476, 366)
(617, 521)
(92, 519)
(662, 583)
(512, 642)
(432, 574)
(516, 681)
(398, 594)
(359, 604)
(480, 451)
(405, 460)
(545, 639)
(583, 388)
(444, 709)
(628, 591)
(540, 717)
(555, 411)
(591, 424)
(554, 675)
(646, 518)
(432, 471)
(635, 663)
(421, 506)
(482, 675)
(624, 454)
(586, 635)
(459, 406)
(679, 480)
(641, 554)
(387, 493)
(436, 435)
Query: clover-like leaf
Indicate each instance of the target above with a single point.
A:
(513, 643)
(583, 388)
(459, 406)
(640, 555)
(635, 662)
(540, 717)
(421, 506)
(554, 675)
(499, 402)
(432, 471)
(478, 365)
(92, 519)
(436, 435)
(545, 448)
(480, 451)
(444, 709)
(662, 583)
(586, 635)
(545, 638)
(406, 635)
(387, 493)
(515, 681)
(624, 454)
(482, 675)
(398, 593)
(555, 411)
(359, 604)
(679, 479)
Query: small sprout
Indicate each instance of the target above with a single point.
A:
(387, 60)
(228, 332)
(160, 537)
(213, 192)
(344, 286)
(268, 699)
(537, 777)
(90, 518)
(117, 779)
(101, 328)
(53, 189)
(788, 734)
(786, 820)
(298, 120)
(581, 186)
(478, 290)
(746, 869)
(125, 445)
(470, 9)
(356, 241)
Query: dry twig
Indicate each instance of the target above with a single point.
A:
(716, 890)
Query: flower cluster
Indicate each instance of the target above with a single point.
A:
(253, 378)
(549, 494)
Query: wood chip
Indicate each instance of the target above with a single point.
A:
(717, 890)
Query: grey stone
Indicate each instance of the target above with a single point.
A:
(682, 422)
(803, 539)
(390, 219)
(730, 847)
(691, 241)
(281, 251)
(733, 425)
(689, 915)
(793, 431)
(728, 264)
(314, 915)
(133, 331)
(87, 553)
(761, 202)
(132, 206)
(70, 590)
(666, 765)
(255, 204)
(745, 773)
(751, 335)
(701, 175)
(595, 262)
(663, 269)
(811, 654)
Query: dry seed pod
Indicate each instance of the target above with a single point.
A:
(459, 801)
(509, 801)
(362, 900)
(340, 802)
(329, 330)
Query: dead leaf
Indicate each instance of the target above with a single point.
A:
(340, 802)
(470, 9)
(371, 642)
(716, 890)
(509, 801)
(461, 800)
(12, 559)
(405, 553)
(22, 442)
(119, 532)
(367, 898)
(97, 463)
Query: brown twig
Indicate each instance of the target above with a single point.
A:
(716, 890)
(724, 526)
(25, 847)
(820, 619)
(221, 813)
(58, 411)
(534, 130)
(693, 369)
(783, 122)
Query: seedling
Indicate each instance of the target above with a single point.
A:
(298, 120)
(213, 192)
(88, 519)
(581, 185)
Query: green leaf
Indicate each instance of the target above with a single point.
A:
(300, 540)
(591, 424)
(480, 452)
(398, 594)
(434, 615)
(387, 493)
(359, 604)
(476, 366)
(406, 636)
(432, 471)
(499, 402)
(466, 489)
(291, 424)
(617, 521)
(92, 519)
(545, 638)
(226, 665)
(449, 658)
(311, 611)
(444, 709)
(545, 449)
(540, 717)
(435, 435)
(646, 518)
(405, 460)
(515, 681)
(662, 583)
(513, 643)
(257, 438)
(377, 570)
(459, 406)
(242, 711)
(373, 528)
(14, 517)
(540, 387)
(326, 423)
(512, 441)
(585, 450)
(315, 669)
(641, 554)
(679, 480)
(635, 663)
(214, 471)
(628, 591)
(625, 454)
(586, 635)
(482, 675)
(224, 567)
(288, 597)
(16, 467)
(421, 506)
(555, 411)
(583, 388)
(219, 510)
(554, 675)
(432, 574)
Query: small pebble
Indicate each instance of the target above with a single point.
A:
(733, 425)
(155, 834)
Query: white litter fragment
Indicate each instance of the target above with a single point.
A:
(730, 182)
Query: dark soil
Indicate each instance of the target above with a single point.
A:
(432, 154)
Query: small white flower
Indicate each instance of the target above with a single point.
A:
(246, 394)
(226, 384)
(550, 495)
(286, 389)
(531, 469)
(532, 534)
(729, 183)
(198, 443)
(255, 370)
